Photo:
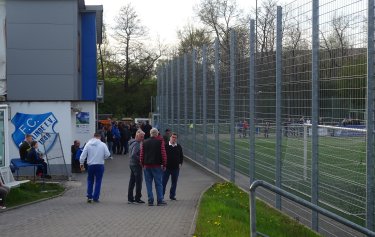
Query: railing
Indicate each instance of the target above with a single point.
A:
(294, 198)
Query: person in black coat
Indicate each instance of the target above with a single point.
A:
(33, 157)
(110, 139)
(25, 147)
(75, 162)
(146, 129)
(175, 158)
(125, 137)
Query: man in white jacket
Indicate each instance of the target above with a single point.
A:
(96, 152)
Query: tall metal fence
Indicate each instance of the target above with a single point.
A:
(287, 99)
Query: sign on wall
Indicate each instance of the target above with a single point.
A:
(39, 126)
(83, 122)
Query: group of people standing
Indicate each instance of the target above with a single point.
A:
(118, 134)
(156, 157)
(159, 158)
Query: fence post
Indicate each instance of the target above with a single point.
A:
(232, 108)
(172, 93)
(178, 95)
(166, 97)
(279, 70)
(370, 118)
(315, 113)
(186, 127)
(253, 216)
(164, 80)
(252, 103)
(217, 75)
(194, 105)
(204, 51)
(160, 96)
(305, 131)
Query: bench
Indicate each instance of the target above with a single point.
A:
(6, 178)
(18, 163)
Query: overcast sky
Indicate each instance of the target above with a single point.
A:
(161, 17)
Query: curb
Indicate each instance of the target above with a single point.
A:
(215, 174)
(194, 221)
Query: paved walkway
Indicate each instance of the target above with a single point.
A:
(70, 215)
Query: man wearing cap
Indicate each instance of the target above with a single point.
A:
(96, 152)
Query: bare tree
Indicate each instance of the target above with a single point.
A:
(335, 41)
(266, 28)
(136, 59)
(220, 16)
(191, 37)
(104, 53)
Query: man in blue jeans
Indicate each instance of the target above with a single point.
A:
(174, 163)
(96, 152)
(154, 160)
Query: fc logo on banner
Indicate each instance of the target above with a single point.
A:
(40, 126)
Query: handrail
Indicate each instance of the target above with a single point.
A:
(292, 197)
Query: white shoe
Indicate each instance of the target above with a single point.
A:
(2, 207)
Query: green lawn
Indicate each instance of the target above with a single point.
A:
(30, 192)
(342, 168)
(224, 211)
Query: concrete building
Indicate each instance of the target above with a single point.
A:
(48, 71)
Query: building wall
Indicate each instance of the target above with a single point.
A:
(42, 46)
(2, 48)
(58, 117)
(80, 131)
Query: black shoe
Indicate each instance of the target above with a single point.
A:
(173, 198)
(131, 201)
(139, 201)
(150, 204)
(97, 201)
(162, 203)
(89, 200)
(46, 176)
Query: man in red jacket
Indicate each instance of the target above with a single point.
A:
(154, 161)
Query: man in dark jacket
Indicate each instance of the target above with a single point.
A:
(125, 137)
(146, 129)
(33, 156)
(167, 135)
(25, 147)
(136, 176)
(174, 163)
(154, 160)
(75, 162)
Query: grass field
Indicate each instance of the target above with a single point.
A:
(224, 211)
(342, 167)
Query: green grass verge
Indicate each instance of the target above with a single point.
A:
(30, 192)
(224, 211)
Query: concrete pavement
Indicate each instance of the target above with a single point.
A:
(70, 215)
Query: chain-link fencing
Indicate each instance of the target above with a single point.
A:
(289, 101)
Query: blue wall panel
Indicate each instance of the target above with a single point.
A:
(88, 56)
